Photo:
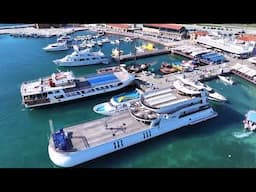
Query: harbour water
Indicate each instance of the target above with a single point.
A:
(24, 134)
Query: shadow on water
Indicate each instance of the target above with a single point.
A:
(202, 129)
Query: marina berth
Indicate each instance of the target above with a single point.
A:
(63, 86)
(80, 143)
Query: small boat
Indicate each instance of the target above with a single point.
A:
(116, 52)
(148, 47)
(64, 38)
(118, 103)
(127, 39)
(137, 68)
(250, 120)
(178, 67)
(167, 68)
(225, 79)
(140, 50)
(109, 69)
(60, 46)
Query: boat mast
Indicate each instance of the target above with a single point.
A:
(135, 52)
(119, 53)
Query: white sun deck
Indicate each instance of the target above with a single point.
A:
(162, 98)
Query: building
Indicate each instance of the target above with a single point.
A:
(229, 46)
(247, 37)
(121, 27)
(195, 34)
(171, 31)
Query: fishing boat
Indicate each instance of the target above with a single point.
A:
(167, 68)
(136, 68)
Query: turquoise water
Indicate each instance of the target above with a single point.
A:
(25, 132)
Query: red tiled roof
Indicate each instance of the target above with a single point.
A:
(247, 38)
(166, 26)
(124, 26)
(201, 33)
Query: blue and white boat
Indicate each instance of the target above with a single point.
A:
(250, 120)
(118, 103)
(63, 86)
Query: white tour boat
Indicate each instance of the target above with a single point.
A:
(63, 86)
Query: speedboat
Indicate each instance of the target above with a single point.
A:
(213, 95)
(59, 46)
(225, 79)
(83, 57)
(250, 120)
(64, 38)
(185, 89)
(118, 103)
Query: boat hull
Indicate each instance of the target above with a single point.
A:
(82, 96)
(70, 159)
(72, 64)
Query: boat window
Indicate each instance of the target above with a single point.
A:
(82, 59)
(119, 84)
(94, 58)
(59, 97)
(50, 92)
(82, 92)
(87, 59)
(93, 90)
(97, 89)
(107, 87)
(57, 91)
(78, 93)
